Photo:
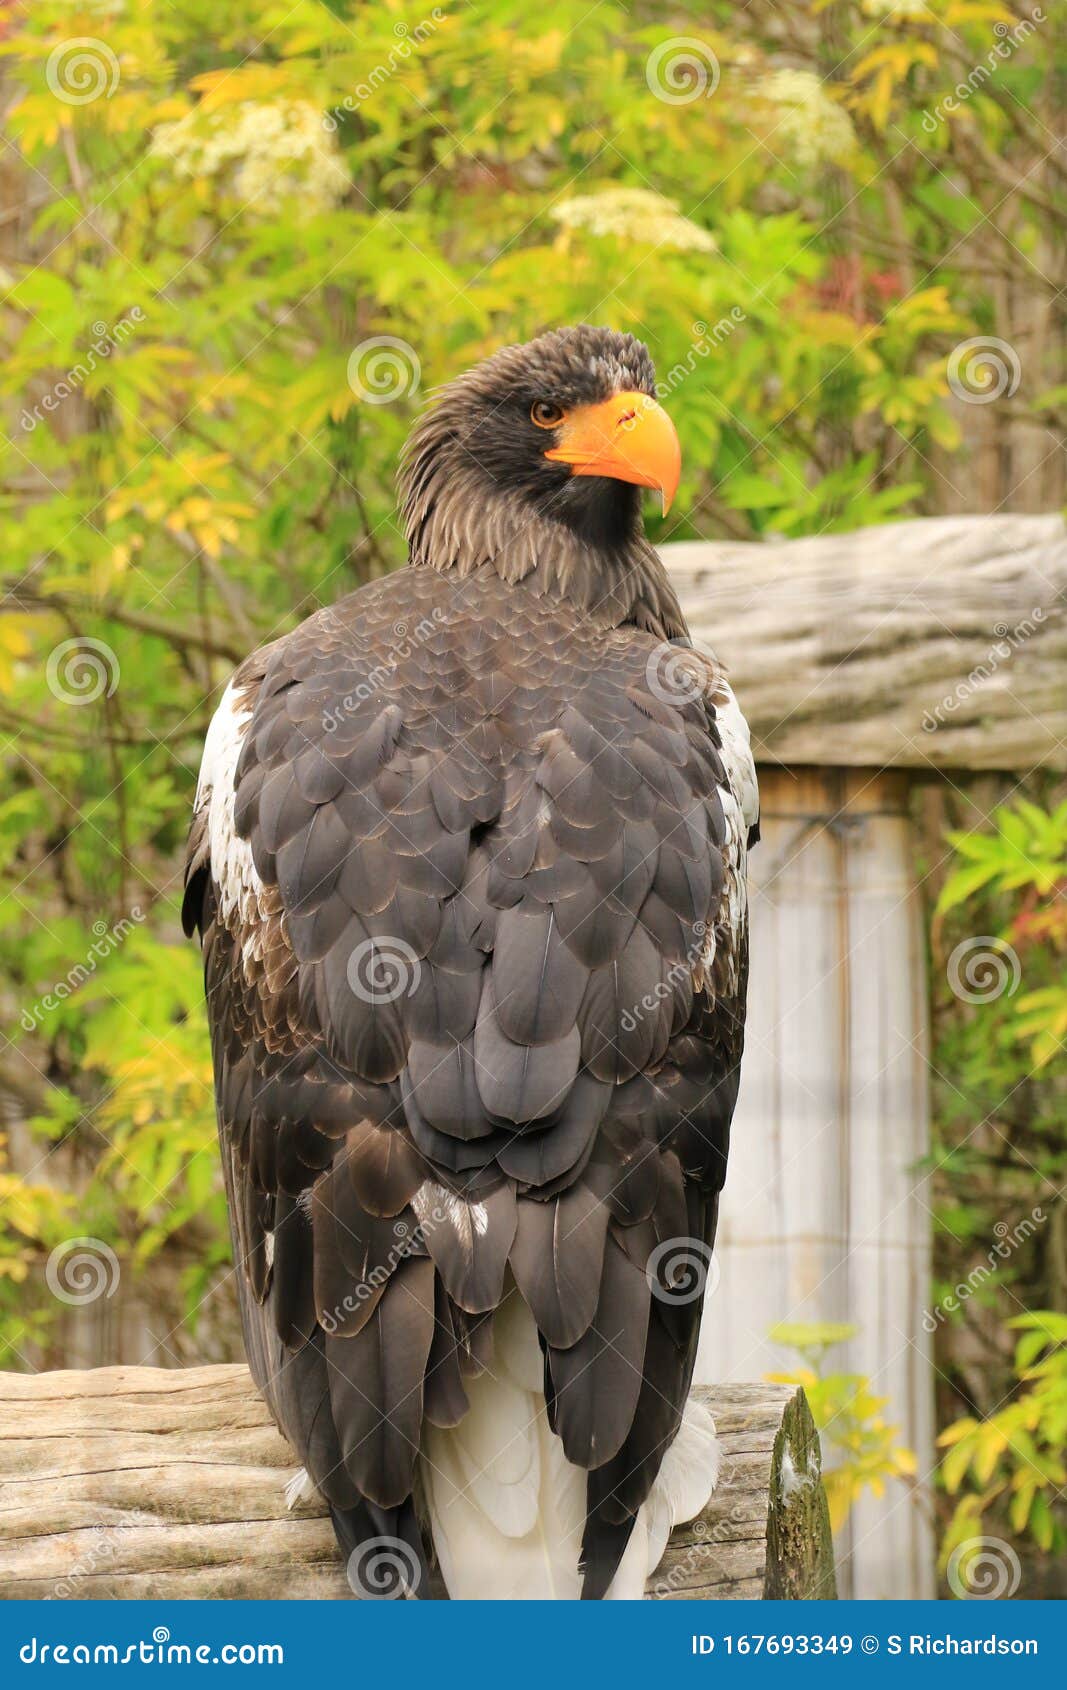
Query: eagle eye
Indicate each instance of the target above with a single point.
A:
(545, 414)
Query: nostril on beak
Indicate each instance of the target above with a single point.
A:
(627, 417)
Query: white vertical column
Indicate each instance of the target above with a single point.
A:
(824, 1215)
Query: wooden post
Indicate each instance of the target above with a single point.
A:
(132, 1482)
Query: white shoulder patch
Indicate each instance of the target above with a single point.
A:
(737, 750)
(232, 868)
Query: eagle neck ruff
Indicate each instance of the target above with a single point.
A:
(454, 524)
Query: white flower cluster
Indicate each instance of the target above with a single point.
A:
(270, 153)
(814, 126)
(898, 10)
(634, 214)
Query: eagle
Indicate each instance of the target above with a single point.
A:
(467, 864)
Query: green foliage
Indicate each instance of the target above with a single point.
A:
(256, 192)
(999, 1165)
(1012, 1462)
(1026, 853)
(861, 1450)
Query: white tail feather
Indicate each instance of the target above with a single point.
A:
(506, 1507)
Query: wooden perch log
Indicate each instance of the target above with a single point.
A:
(147, 1482)
(932, 644)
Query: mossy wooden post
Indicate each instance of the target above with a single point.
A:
(800, 1557)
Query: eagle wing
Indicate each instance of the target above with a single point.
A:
(470, 879)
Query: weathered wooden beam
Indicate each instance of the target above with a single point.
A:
(934, 644)
(141, 1481)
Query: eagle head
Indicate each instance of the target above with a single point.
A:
(540, 447)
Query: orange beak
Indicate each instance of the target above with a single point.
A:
(628, 437)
